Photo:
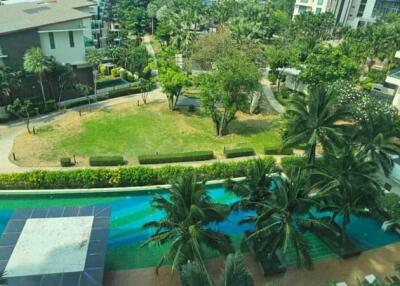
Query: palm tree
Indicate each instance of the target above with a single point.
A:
(349, 186)
(314, 120)
(36, 62)
(281, 220)
(377, 140)
(256, 186)
(188, 211)
(95, 58)
(234, 273)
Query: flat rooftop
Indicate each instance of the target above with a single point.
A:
(29, 15)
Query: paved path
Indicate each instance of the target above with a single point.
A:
(149, 47)
(379, 262)
(270, 95)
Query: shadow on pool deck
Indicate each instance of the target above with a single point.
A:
(377, 261)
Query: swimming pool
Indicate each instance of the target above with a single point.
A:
(131, 210)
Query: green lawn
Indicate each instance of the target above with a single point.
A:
(149, 129)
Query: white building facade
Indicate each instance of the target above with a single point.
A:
(354, 13)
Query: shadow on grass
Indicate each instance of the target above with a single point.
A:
(251, 126)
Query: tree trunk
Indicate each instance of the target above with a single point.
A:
(343, 230)
(152, 26)
(43, 93)
(311, 155)
(27, 121)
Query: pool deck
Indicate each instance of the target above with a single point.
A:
(379, 262)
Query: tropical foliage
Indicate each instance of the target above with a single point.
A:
(188, 210)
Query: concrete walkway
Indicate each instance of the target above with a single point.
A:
(270, 95)
(379, 262)
(149, 47)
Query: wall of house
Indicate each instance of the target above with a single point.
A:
(63, 52)
(14, 45)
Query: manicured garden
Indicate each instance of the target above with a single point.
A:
(130, 131)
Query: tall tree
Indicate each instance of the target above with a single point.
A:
(349, 184)
(280, 220)
(22, 109)
(327, 65)
(234, 273)
(314, 120)
(228, 89)
(172, 82)
(256, 187)
(95, 58)
(37, 63)
(188, 210)
(9, 81)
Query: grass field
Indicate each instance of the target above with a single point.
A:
(130, 130)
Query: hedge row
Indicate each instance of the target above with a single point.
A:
(66, 162)
(119, 177)
(177, 157)
(277, 151)
(240, 152)
(106, 161)
(112, 94)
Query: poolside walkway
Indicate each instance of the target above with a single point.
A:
(379, 262)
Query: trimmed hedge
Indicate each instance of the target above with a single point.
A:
(240, 152)
(178, 157)
(277, 151)
(66, 162)
(106, 161)
(120, 177)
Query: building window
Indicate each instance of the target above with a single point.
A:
(304, 1)
(71, 39)
(303, 9)
(52, 42)
(361, 9)
(320, 2)
(318, 11)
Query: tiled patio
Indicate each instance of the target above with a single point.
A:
(378, 261)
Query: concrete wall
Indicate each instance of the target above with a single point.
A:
(15, 45)
(63, 52)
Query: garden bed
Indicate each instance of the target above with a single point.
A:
(345, 249)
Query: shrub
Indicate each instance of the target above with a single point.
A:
(390, 204)
(178, 157)
(120, 177)
(277, 151)
(66, 162)
(115, 72)
(242, 152)
(106, 161)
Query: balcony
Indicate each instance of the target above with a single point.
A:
(394, 77)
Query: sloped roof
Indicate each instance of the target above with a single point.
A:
(28, 15)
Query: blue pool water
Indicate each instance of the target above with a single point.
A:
(130, 211)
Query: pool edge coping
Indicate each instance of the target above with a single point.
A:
(114, 190)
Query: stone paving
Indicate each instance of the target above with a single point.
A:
(379, 262)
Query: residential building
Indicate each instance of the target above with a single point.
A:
(60, 29)
(354, 13)
(393, 79)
